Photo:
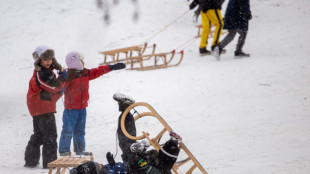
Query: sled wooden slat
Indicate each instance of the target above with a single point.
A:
(179, 164)
(68, 161)
(161, 60)
(127, 53)
(154, 141)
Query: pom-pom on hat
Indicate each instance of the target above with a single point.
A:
(73, 60)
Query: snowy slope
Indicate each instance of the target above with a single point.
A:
(236, 115)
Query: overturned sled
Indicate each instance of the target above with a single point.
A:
(155, 140)
(124, 54)
(156, 60)
(61, 164)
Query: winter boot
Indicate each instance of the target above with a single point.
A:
(27, 165)
(85, 153)
(217, 52)
(241, 54)
(123, 101)
(64, 153)
(204, 51)
(222, 51)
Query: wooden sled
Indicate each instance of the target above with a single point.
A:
(160, 60)
(211, 34)
(127, 51)
(154, 141)
(61, 164)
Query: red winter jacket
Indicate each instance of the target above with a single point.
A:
(44, 91)
(76, 90)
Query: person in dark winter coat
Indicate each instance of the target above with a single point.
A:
(76, 101)
(236, 20)
(210, 14)
(44, 91)
(124, 143)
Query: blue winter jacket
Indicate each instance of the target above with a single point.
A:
(237, 15)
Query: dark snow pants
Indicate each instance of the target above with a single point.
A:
(45, 133)
(124, 142)
(231, 35)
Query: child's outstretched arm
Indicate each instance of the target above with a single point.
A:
(97, 72)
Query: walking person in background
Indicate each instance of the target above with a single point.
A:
(236, 20)
(76, 101)
(210, 14)
(44, 91)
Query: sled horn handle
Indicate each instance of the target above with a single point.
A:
(151, 113)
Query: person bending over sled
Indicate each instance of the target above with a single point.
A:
(136, 158)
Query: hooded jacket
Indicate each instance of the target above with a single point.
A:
(44, 91)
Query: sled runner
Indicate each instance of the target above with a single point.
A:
(155, 141)
(160, 60)
(211, 31)
(61, 164)
(127, 53)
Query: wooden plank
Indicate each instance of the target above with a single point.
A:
(68, 161)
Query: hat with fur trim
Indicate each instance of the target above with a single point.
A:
(44, 52)
(73, 60)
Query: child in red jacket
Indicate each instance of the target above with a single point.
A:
(76, 101)
(43, 93)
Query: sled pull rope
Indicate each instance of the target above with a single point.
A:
(147, 40)
(74, 139)
(186, 44)
(136, 112)
(116, 146)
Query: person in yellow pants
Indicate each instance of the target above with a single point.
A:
(210, 14)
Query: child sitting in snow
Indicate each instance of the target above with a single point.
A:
(43, 93)
(144, 162)
(76, 100)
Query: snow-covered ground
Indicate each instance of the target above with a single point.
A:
(239, 116)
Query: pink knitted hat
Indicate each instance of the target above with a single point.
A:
(73, 60)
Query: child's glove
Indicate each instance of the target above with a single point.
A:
(117, 66)
(193, 5)
(248, 16)
(63, 74)
(110, 159)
